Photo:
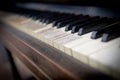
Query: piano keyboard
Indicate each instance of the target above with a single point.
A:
(94, 40)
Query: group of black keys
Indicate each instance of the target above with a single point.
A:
(104, 27)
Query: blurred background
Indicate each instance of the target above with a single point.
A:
(101, 3)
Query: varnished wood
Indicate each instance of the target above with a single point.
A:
(16, 52)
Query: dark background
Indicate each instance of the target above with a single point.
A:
(101, 3)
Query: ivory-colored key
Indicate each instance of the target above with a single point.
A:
(56, 36)
(107, 59)
(15, 18)
(59, 42)
(23, 22)
(82, 52)
(33, 26)
(44, 28)
(49, 33)
(70, 39)
(44, 33)
(77, 42)
(53, 34)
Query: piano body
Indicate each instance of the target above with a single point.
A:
(64, 42)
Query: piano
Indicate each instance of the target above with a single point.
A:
(64, 41)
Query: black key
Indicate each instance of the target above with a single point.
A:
(62, 19)
(87, 22)
(111, 34)
(43, 17)
(54, 18)
(43, 20)
(98, 33)
(58, 17)
(38, 18)
(71, 18)
(49, 17)
(35, 18)
(93, 26)
(58, 23)
(78, 21)
(68, 21)
(70, 25)
(46, 17)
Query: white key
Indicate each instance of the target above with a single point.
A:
(58, 43)
(49, 33)
(77, 42)
(54, 34)
(42, 32)
(44, 28)
(107, 59)
(82, 52)
(57, 36)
